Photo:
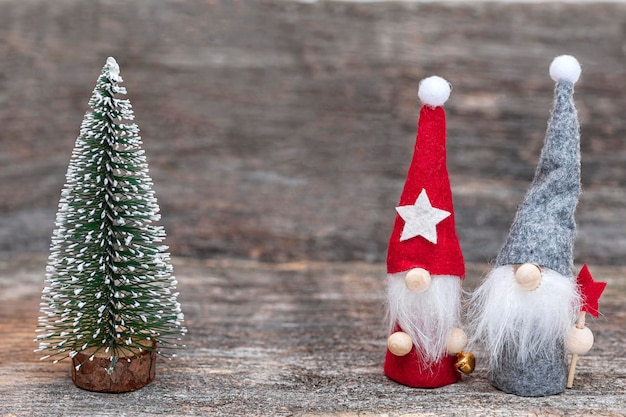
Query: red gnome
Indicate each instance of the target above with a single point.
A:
(424, 261)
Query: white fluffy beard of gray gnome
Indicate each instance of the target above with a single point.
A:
(522, 314)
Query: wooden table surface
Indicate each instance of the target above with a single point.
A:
(288, 339)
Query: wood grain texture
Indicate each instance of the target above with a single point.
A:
(282, 131)
(288, 339)
(130, 373)
(279, 130)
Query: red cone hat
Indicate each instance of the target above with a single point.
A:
(424, 234)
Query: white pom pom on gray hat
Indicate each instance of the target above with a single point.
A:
(565, 67)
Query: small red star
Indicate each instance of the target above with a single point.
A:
(590, 291)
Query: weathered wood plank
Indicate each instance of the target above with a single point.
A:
(280, 130)
(287, 339)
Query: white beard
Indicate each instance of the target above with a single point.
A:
(427, 317)
(509, 321)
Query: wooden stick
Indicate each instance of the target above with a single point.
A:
(572, 368)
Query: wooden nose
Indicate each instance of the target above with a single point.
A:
(417, 280)
(528, 276)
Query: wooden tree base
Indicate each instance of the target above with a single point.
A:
(129, 374)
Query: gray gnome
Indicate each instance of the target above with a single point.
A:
(523, 311)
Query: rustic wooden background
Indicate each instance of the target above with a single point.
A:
(280, 132)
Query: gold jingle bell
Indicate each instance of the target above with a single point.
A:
(465, 362)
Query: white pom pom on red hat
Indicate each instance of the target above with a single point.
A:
(434, 91)
(565, 67)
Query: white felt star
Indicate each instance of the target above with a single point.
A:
(421, 219)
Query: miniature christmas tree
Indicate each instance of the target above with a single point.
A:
(110, 296)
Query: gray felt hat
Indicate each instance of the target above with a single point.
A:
(544, 229)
